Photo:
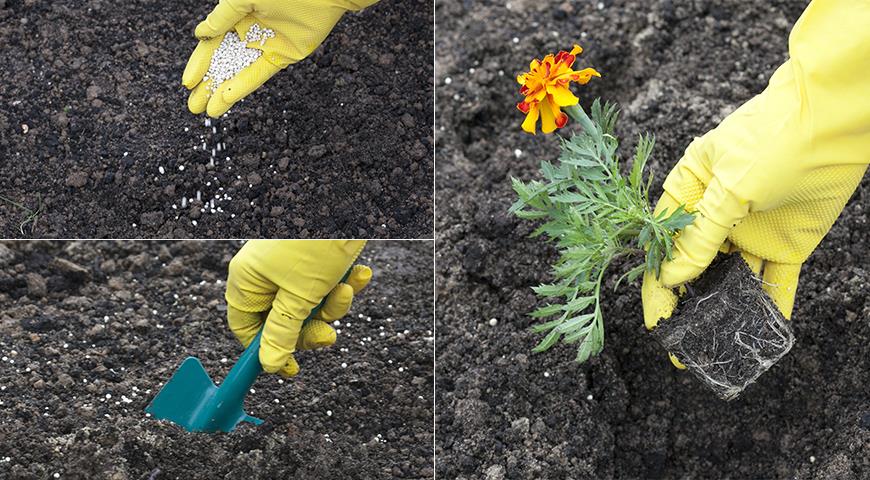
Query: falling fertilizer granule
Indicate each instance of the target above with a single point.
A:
(233, 55)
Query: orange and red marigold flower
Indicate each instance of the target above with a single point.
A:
(545, 87)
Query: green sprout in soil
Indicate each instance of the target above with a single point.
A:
(30, 215)
(595, 214)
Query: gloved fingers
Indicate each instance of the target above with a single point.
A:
(360, 276)
(677, 363)
(337, 303)
(780, 282)
(658, 304)
(728, 247)
(658, 301)
(755, 263)
(339, 300)
(198, 99)
(198, 63)
(279, 340)
(223, 18)
(316, 334)
(290, 369)
(244, 325)
(249, 79)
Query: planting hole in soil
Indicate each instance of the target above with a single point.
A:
(726, 331)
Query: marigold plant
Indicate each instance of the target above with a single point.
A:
(587, 205)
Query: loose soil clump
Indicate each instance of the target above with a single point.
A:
(727, 331)
(89, 331)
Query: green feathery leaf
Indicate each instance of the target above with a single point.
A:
(594, 214)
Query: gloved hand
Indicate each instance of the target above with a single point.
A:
(279, 282)
(300, 26)
(773, 177)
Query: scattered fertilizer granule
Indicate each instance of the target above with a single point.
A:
(233, 55)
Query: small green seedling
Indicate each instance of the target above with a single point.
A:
(31, 215)
(595, 214)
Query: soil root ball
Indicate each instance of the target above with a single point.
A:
(727, 331)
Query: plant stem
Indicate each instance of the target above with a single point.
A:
(579, 115)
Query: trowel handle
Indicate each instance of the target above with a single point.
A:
(246, 369)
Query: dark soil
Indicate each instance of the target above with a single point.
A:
(726, 330)
(676, 69)
(86, 345)
(338, 145)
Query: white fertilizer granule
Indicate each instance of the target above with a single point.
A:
(233, 55)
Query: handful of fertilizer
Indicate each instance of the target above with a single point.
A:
(234, 54)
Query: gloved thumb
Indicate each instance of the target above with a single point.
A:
(223, 18)
(243, 84)
(659, 301)
(198, 64)
(717, 213)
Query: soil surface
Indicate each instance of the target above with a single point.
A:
(726, 330)
(676, 69)
(96, 140)
(90, 330)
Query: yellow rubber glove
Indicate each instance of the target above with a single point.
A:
(300, 26)
(279, 282)
(773, 177)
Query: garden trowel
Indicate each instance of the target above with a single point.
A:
(191, 400)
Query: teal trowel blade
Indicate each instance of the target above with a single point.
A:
(191, 400)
